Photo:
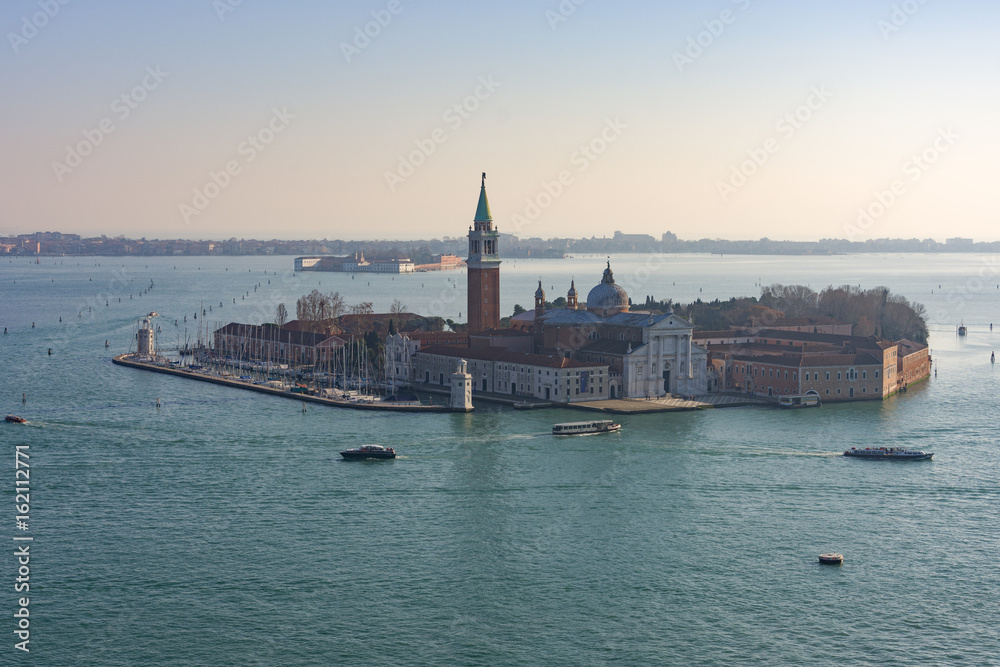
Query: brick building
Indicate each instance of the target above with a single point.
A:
(777, 363)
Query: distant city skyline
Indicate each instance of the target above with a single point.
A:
(213, 119)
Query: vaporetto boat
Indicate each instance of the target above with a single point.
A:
(888, 453)
(581, 428)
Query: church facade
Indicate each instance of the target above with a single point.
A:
(650, 355)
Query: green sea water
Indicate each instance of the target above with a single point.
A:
(223, 528)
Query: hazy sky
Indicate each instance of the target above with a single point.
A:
(729, 118)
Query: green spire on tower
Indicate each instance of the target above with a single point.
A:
(483, 210)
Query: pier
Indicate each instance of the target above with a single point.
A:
(638, 406)
(132, 362)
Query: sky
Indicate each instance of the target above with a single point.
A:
(739, 119)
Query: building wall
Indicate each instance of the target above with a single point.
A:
(840, 328)
(890, 371)
(562, 385)
(915, 367)
(833, 382)
(762, 378)
(866, 381)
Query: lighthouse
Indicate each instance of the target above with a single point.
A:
(144, 338)
(484, 269)
(461, 388)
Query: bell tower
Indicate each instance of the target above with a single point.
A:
(484, 268)
(571, 296)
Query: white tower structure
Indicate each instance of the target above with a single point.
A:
(144, 338)
(461, 387)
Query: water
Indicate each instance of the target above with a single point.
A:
(222, 528)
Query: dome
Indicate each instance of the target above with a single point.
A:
(539, 293)
(607, 296)
(572, 288)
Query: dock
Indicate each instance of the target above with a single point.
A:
(638, 406)
(127, 360)
(615, 406)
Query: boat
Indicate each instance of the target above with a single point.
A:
(831, 559)
(810, 399)
(888, 454)
(369, 452)
(580, 428)
(962, 330)
(15, 419)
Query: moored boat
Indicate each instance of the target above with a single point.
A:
(369, 452)
(15, 419)
(580, 428)
(888, 454)
(810, 399)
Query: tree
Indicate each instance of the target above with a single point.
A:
(518, 309)
(318, 311)
(397, 307)
(363, 311)
(280, 314)
(792, 300)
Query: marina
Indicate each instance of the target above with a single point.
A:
(281, 389)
